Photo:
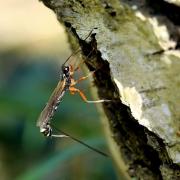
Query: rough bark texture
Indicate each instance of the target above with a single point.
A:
(135, 53)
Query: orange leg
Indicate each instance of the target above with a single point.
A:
(73, 90)
(77, 68)
(81, 79)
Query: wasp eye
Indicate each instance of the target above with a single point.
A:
(66, 69)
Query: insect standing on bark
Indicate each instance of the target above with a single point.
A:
(66, 83)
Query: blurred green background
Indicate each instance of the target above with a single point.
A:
(33, 46)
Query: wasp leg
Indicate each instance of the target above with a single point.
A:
(77, 68)
(74, 90)
(74, 82)
(59, 135)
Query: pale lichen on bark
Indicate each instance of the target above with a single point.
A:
(137, 70)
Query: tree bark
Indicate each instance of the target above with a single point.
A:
(135, 52)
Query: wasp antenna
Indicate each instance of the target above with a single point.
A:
(64, 134)
(78, 50)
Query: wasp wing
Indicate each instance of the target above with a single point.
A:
(52, 104)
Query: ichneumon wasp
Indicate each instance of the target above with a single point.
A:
(66, 83)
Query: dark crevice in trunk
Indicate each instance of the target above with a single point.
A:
(161, 7)
(127, 130)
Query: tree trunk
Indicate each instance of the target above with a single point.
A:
(134, 50)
